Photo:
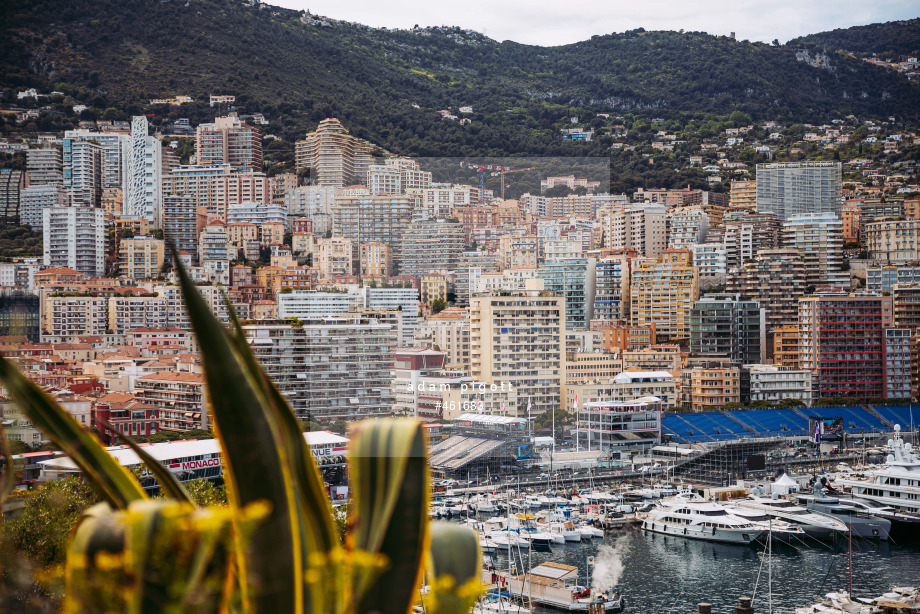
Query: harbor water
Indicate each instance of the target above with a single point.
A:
(664, 574)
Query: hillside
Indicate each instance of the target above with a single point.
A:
(888, 40)
(121, 53)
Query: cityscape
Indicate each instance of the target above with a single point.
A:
(654, 358)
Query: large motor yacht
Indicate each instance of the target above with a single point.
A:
(817, 526)
(701, 520)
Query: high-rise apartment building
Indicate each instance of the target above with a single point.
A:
(216, 187)
(35, 199)
(710, 259)
(843, 343)
(361, 217)
(517, 251)
(518, 339)
(724, 325)
(687, 226)
(663, 293)
(639, 227)
(330, 368)
(397, 176)
(786, 351)
(143, 184)
(775, 279)
(229, 141)
(744, 233)
(818, 237)
(431, 246)
(376, 260)
(11, 181)
(793, 188)
(743, 195)
(334, 157)
(472, 265)
(83, 172)
(74, 237)
(181, 224)
(45, 166)
(115, 152)
(611, 289)
(333, 257)
(573, 279)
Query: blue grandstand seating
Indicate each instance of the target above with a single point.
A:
(694, 427)
(855, 419)
(905, 415)
(772, 421)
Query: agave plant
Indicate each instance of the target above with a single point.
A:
(275, 548)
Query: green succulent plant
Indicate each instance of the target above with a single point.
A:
(275, 548)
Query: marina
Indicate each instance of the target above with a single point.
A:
(669, 574)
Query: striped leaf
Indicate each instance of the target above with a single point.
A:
(322, 549)
(389, 482)
(262, 462)
(454, 567)
(169, 483)
(155, 557)
(112, 481)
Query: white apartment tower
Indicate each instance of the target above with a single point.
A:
(74, 237)
(143, 191)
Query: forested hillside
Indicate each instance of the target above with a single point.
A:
(888, 40)
(386, 86)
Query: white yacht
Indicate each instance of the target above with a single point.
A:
(527, 529)
(896, 484)
(567, 530)
(782, 531)
(818, 526)
(701, 520)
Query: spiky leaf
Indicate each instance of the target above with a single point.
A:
(112, 481)
(454, 567)
(389, 481)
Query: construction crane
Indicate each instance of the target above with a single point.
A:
(495, 169)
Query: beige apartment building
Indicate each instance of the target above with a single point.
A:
(333, 156)
(332, 257)
(663, 293)
(141, 257)
(711, 388)
(743, 195)
(449, 332)
(518, 339)
(894, 240)
(518, 251)
(376, 260)
(629, 386)
(582, 367)
(654, 358)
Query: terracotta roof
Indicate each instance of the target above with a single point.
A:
(175, 376)
(59, 271)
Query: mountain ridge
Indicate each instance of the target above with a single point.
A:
(124, 53)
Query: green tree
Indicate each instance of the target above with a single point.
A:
(197, 434)
(204, 493)
(18, 446)
(438, 305)
(43, 528)
(164, 436)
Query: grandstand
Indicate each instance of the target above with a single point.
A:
(905, 415)
(693, 427)
(459, 456)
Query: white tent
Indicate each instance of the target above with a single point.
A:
(784, 485)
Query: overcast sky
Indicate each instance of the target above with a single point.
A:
(557, 22)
